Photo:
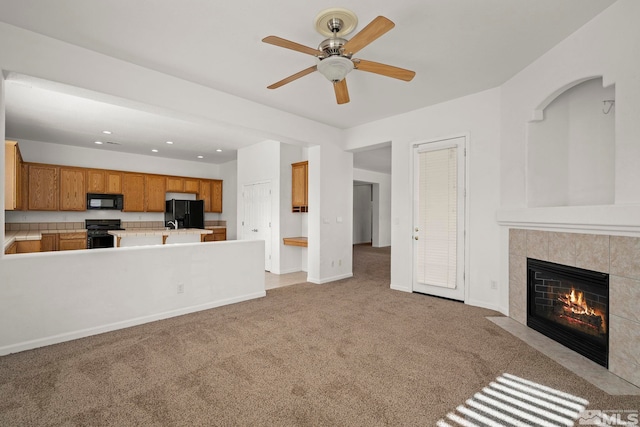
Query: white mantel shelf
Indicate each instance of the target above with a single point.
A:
(612, 219)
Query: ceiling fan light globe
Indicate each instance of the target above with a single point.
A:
(335, 68)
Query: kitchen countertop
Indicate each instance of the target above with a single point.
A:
(24, 235)
(145, 232)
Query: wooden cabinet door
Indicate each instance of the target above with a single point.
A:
(72, 241)
(113, 181)
(175, 184)
(155, 193)
(49, 243)
(96, 182)
(73, 196)
(13, 249)
(43, 187)
(12, 177)
(299, 185)
(191, 185)
(204, 194)
(133, 191)
(216, 195)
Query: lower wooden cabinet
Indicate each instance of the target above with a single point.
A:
(27, 246)
(72, 241)
(13, 249)
(49, 242)
(217, 235)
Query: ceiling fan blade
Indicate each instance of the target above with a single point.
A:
(375, 29)
(342, 93)
(293, 77)
(277, 41)
(383, 69)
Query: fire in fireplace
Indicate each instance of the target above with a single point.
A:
(571, 306)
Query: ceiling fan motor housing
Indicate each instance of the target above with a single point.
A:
(332, 46)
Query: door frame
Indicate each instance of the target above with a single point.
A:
(412, 168)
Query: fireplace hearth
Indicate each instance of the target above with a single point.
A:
(571, 306)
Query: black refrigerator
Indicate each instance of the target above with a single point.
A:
(188, 213)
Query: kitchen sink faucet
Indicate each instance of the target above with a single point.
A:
(174, 223)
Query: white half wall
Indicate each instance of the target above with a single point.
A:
(52, 297)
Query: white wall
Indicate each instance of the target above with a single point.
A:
(477, 115)
(53, 297)
(362, 213)
(330, 218)
(292, 258)
(229, 176)
(381, 204)
(571, 152)
(606, 46)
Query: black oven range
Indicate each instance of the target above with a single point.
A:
(97, 232)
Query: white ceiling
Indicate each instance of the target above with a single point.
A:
(456, 47)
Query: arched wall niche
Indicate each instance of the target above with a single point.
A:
(571, 147)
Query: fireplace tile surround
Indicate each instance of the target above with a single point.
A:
(617, 255)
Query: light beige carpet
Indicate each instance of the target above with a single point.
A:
(346, 353)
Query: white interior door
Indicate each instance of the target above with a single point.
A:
(256, 224)
(439, 218)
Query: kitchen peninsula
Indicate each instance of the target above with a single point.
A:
(154, 236)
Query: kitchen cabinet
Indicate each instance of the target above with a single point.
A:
(13, 249)
(27, 246)
(114, 182)
(216, 195)
(154, 193)
(204, 194)
(175, 184)
(299, 186)
(13, 176)
(49, 242)
(72, 241)
(43, 187)
(73, 195)
(133, 191)
(217, 235)
(191, 185)
(96, 182)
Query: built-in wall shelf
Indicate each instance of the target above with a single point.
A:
(295, 241)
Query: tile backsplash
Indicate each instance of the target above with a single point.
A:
(20, 226)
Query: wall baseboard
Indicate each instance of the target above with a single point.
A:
(329, 279)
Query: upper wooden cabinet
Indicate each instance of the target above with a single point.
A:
(191, 185)
(204, 194)
(114, 182)
(299, 186)
(155, 193)
(175, 184)
(96, 182)
(73, 194)
(216, 195)
(133, 191)
(13, 194)
(43, 187)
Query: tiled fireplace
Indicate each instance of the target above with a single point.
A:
(617, 256)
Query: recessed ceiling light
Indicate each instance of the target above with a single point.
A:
(106, 132)
(219, 150)
(154, 150)
(201, 157)
(99, 142)
(169, 142)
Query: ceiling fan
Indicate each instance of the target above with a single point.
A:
(334, 55)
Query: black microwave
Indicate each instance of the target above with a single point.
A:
(105, 201)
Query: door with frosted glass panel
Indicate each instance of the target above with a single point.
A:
(439, 218)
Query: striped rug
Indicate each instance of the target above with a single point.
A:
(514, 401)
